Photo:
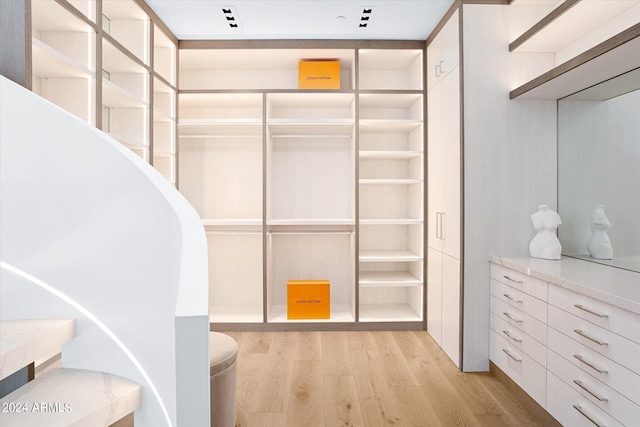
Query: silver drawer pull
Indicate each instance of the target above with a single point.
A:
(507, 333)
(585, 388)
(595, 313)
(511, 355)
(512, 280)
(509, 297)
(589, 364)
(511, 317)
(587, 416)
(595, 340)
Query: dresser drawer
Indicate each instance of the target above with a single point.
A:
(520, 300)
(518, 339)
(615, 319)
(522, 369)
(572, 409)
(520, 320)
(522, 282)
(605, 342)
(604, 369)
(601, 395)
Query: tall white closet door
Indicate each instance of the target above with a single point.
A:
(451, 308)
(434, 295)
(450, 166)
(435, 167)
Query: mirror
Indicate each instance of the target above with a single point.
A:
(599, 164)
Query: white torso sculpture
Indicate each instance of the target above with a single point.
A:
(545, 244)
(600, 246)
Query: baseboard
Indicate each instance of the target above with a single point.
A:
(538, 412)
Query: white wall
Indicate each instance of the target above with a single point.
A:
(509, 161)
(110, 243)
(599, 163)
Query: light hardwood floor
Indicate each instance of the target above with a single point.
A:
(364, 379)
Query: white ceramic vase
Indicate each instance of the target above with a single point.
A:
(545, 244)
(600, 245)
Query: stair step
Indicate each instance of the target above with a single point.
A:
(71, 397)
(24, 341)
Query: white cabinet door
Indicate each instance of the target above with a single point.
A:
(450, 164)
(450, 45)
(435, 167)
(434, 294)
(451, 308)
(434, 56)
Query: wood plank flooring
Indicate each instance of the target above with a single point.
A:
(368, 379)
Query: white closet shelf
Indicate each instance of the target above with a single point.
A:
(48, 15)
(390, 181)
(311, 128)
(312, 221)
(391, 221)
(389, 256)
(160, 115)
(388, 278)
(388, 313)
(339, 313)
(220, 122)
(129, 143)
(389, 155)
(115, 61)
(51, 63)
(375, 125)
(114, 96)
(119, 9)
(230, 221)
(163, 153)
(562, 29)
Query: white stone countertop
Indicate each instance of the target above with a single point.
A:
(23, 341)
(615, 286)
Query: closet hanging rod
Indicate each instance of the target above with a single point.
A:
(312, 136)
(300, 232)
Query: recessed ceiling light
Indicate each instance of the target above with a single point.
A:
(341, 18)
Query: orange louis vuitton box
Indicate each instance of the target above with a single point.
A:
(308, 299)
(319, 75)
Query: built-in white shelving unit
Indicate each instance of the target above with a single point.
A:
(391, 188)
(106, 70)
(63, 61)
(274, 169)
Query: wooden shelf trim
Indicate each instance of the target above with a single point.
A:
(552, 16)
(596, 51)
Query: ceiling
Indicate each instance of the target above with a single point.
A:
(300, 19)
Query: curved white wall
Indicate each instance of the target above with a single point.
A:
(126, 253)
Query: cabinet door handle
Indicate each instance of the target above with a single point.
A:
(509, 297)
(441, 67)
(438, 70)
(595, 313)
(512, 280)
(508, 353)
(587, 416)
(592, 393)
(507, 333)
(442, 219)
(595, 340)
(591, 365)
(510, 317)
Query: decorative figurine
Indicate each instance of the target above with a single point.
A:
(600, 246)
(545, 244)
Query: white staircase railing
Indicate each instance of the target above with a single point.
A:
(90, 231)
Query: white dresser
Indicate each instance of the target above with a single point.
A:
(568, 333)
